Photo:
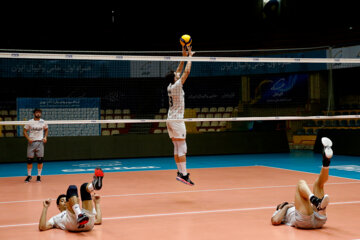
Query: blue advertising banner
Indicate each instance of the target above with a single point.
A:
(208, 69)
(344, 52)
(39, 68)
(287, 89)
(67, 68)
(235, 68)
(62, 109)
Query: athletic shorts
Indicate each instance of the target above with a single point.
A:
(35, 149)
(176, 129)
(314, 220)
(67, 220)
(72, 225)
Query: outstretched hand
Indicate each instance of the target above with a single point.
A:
(184, 53)
(190, 53)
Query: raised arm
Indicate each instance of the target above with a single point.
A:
(98, 217)
(188, 66)
(44, 224)
(181, 64)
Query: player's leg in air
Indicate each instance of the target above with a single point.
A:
(318, 188)
(86, 189)
(71, 216)
(314, 203)
(309, 208)
(180, 150)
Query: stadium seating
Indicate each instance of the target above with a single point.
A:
(126, 111)
(213, 109)
(221, 109)
(122, 128)
(307, 134)
(109, 111)
(117, 111)
(115, 132)
(105, 132)
(157, 131)
(8, 115)
(163, 110)
(204, 109)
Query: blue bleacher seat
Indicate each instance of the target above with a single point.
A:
(300, 132)
(310, 131)
(328, 123)
(343, 123)
(352, 123)
(355, 106)
(320, 123)
(310, 123)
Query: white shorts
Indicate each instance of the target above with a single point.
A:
(176, 129)
(68, 221)
(314, 220)
(72, 225)
(295, 219)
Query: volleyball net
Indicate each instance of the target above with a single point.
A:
(101, 93)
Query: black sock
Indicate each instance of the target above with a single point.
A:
(314, 200)
(325, 162)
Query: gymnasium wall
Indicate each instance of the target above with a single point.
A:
(147, 145)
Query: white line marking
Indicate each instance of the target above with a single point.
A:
(218, 190)
(182, 213)
(304, 172)
(191, 191)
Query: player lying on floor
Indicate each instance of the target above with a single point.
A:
(309, 208)
(71, 216)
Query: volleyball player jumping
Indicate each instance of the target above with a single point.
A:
(177, 129)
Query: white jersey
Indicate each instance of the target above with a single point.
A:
(68, 221)
(289, 218)
(176, 100)
(36, 129)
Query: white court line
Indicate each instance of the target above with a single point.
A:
(191, 191)
(181, 213)
(305, 172)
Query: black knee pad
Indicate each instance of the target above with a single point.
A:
(71, 192)
(85, 195)
(40, 160)
(30, 160)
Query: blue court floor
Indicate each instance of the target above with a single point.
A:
(299, 160)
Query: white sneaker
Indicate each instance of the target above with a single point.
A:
(327, 143)
(325, 201)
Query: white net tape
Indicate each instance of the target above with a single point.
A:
(232, 119)
(176, 58)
